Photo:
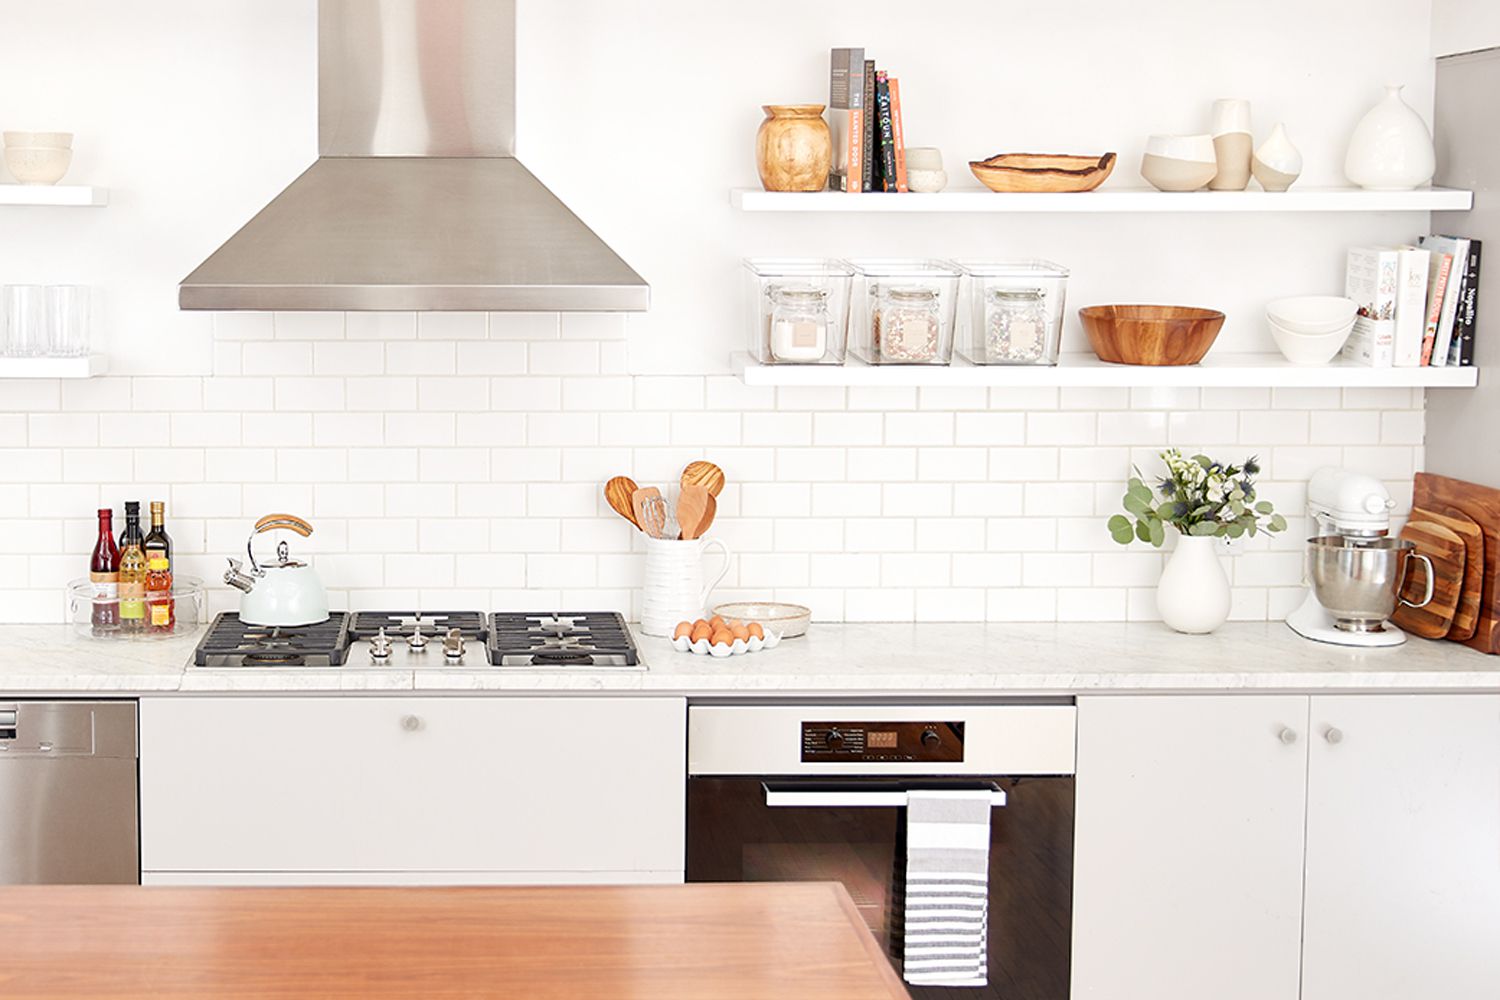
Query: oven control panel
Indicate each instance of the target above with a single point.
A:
(883, 742)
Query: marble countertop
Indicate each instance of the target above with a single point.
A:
(883, 659)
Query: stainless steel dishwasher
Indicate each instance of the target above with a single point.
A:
(68, 793)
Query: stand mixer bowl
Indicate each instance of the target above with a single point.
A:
(1358, 580)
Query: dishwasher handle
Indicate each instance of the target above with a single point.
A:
(803, 795)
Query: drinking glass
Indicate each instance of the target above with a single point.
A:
(68, 320)
(26, 321)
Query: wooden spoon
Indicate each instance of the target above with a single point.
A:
(695, 511)
(618, 491)
(650, 511)
(705, 474)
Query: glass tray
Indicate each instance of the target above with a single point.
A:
(189, 593)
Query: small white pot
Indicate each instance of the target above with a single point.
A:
(674, 588)
(1193, 595)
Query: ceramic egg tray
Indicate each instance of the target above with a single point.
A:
(738, 648)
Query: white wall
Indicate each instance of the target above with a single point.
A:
(1464, 26)
(450, 459)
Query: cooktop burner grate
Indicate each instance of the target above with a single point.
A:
(230, 642)
(561, 639)
(434, 624)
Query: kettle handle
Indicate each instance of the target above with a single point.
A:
(1431, 583)
(290, 522)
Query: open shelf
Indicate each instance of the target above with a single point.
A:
(56, 195)
(1111, 200)
(86, 367)
(1216, 371)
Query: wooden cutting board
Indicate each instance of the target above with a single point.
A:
(1466, 616)
(1448, 555)
(1482, 505)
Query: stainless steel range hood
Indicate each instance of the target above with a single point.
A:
(416, 200)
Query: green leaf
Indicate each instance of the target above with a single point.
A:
(1139, 490)
(1236, 529)
(1137, 506)
(1278, 523)
(1143, 530)
(1158, 533)
(1121, 530)
(1264, 507)
(1204, 528)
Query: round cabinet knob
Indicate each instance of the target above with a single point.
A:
(1334, 735)
(834, 739)
(411, 723)
(1287, 735)
(930, 738)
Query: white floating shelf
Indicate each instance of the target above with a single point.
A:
(1111, 200)
(60, 196)
(88, 367)
(1216, 371)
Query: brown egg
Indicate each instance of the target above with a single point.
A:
(739, 632)
(683, 629)
(756, 632)
(722, 636)
(700, 631)
(716, 622)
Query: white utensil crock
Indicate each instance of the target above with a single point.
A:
(673, 589)
(1193, 595)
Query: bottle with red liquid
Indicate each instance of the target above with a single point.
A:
(104, 574)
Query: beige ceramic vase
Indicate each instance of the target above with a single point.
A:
(793, 149)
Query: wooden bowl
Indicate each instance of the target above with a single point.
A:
(1151, 335)
(1050, 172)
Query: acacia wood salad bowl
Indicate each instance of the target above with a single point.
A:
(1151, 335)
(1047, 172)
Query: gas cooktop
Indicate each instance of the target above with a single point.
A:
(559, 640)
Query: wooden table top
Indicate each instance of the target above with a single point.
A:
(734, 942)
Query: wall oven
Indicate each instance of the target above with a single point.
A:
(817, 792)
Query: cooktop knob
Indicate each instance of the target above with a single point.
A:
(834, 739)
(930, 738)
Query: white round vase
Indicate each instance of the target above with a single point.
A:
(1391, 148)
(1193, 595)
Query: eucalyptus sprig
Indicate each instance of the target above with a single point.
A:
(1199, 497)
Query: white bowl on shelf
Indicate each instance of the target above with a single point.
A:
(37, 164)
(40, 140)
(1309, 348)
(1312, 314)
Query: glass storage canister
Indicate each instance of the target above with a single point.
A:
(799, 310)
(904, 311)
(1012, 311)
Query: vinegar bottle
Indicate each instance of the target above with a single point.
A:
(132, 572)
(104, 574)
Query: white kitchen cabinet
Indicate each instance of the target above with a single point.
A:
(1403, 848)
(504, 789)
(1188, 847)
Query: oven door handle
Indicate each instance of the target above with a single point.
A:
(790, 795)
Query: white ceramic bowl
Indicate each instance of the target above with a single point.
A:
(1179, 162)
(37, 164)
(40, 140)
(1309, 348)
(1312, 314)
(787, 619)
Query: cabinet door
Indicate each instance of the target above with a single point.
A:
(525, 785)
(1188, 866)
(1403, 848)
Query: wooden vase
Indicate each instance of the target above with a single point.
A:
(793, 148)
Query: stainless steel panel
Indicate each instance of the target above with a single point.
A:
(1468, 156)
(416, 77)
(442, 233)
(68, 794)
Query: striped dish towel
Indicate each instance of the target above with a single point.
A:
(947, 888)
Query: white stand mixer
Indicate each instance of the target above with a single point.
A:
(1356, 507)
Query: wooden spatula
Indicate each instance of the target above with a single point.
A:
(1446, 550)
(705, 474)
(695, 511)
(618, 492)
(1466, 616)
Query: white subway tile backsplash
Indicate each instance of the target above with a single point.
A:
(1346, 427)
(841, 429)
(380, 326)
(882, 465)
(308, 325)
(524, 326)
(562, 358)
(312, 393)
(835, 500)
(243, 326)
(492, 357)
(348, 358)
(777, 429)
(466, 393)
(925, 429)
(452, 326)
(60, 430)
(421, 358)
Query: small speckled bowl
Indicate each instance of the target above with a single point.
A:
(788, 619)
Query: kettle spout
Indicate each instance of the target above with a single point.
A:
(238, 580)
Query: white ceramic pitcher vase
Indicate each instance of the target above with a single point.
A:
(674, 588)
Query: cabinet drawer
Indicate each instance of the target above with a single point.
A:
(412, 784)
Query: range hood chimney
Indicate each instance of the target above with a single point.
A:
(416, 201)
